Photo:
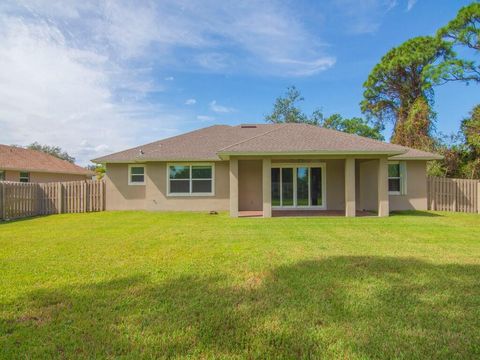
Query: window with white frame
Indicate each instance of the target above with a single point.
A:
(2, 175)
(396, 178)
(190, 179)
(136, 174)
(24, 177)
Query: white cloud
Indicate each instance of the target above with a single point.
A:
(190, 102)
(363, 17)
(80, 74)
(306, 68)
(212, 35)
(205, 118)
(220, 108)
(57, 94)
(411, 4)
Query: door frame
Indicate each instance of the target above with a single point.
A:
(296, 165)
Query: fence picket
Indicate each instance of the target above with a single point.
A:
(461, 195)
(18, 200)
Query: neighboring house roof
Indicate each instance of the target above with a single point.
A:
(20, 159)
(220, 141)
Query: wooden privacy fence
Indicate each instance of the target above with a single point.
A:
(18, 200)
(453, 195)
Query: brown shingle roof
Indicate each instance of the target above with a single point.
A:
(17, 158)
(222, 140)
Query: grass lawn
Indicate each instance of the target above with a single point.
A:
(181, 285)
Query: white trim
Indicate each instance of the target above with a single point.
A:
(190, 193)
(294, 167)
(136, 183)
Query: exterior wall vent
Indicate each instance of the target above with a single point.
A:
(248, 126)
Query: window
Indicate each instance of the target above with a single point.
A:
(2, 175)
(186, 179)
(397, 178)
(298, 185)
(136, 174)
(24, 177)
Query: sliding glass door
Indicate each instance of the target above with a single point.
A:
(298, 186)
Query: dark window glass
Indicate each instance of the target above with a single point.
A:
(201, 172)
(302, 186)
(138, 178)
(179, 172)
(24, 177)
(137, 170)
(275, 187)
(393, 170)
(179, 186)
(287, 187)
(316, 187)
(394, 185)
(2, 175)
(201, 186)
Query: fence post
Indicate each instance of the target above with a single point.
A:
(454, 191)
(2, 203)
(60, 198)
(478, 197)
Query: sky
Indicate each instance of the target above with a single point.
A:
(99, 76)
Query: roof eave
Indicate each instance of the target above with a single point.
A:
(140, 161)
(424, 158)
(86, 173)
(225, 155)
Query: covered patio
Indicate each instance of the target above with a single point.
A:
(309, 186)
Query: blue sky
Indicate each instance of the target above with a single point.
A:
(98, 76)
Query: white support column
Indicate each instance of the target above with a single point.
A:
(233, 187)
(383, 205)
(350, 205)
(267, 187)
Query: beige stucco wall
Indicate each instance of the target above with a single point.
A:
(118, 194)
(368, 185)
(153, 195)
(156, 191)
(335, 184)
(250, 185)
(416, 192)
(416, 197)
(43, 177)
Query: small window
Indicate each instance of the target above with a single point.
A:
(24, 177)
(136, 174)
(190, 179)
(396, 178)
(2, 175)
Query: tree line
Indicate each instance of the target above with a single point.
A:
(400, 90)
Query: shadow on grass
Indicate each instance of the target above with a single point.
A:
(415, 213)
(28, 218)
(368, 307)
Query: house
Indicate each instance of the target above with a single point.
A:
(25, 165)
(260, 168)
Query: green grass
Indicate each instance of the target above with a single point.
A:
(176, 285)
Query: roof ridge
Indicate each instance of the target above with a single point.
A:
(355, 135)
(253, 137)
